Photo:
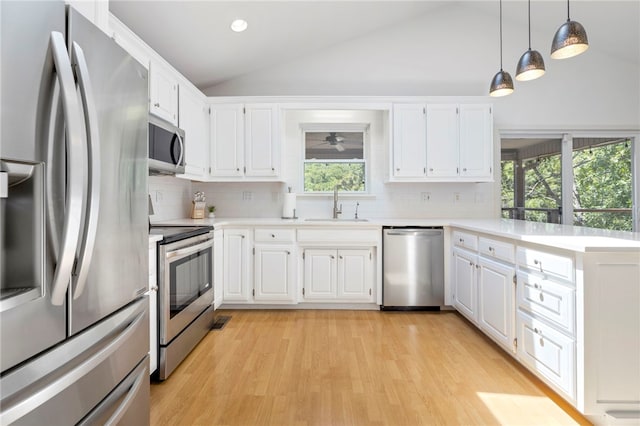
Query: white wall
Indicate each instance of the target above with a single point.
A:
(455, 53)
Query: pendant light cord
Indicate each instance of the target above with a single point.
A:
(500, 35)
(568, 15)
(529, 8)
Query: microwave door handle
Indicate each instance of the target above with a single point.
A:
(93, 147)
(181, 149)
(189, 250)
(75, 179)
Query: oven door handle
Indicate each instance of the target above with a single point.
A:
(189, 250)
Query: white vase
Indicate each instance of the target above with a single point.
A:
(212, 215)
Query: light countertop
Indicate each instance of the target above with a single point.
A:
(574, 238)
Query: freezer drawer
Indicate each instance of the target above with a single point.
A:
(66, 383)
(413, 268)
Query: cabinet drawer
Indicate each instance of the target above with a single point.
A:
(339, 236)
(546, 263)
(552, 301)
(548, 353)
(463, 239)
(497, 249)
(265, 235)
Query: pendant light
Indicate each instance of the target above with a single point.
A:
(531, 65)
(570, 39)
(501, 84)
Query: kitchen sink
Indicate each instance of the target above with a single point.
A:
(335, 220)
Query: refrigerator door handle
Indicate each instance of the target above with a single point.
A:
(126, 404)
(93, 148)
(21, 408)
(75, 180)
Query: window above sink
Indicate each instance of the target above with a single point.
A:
(335, 154)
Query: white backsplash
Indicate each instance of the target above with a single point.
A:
(171, 197)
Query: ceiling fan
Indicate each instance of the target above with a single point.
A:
(334, 140)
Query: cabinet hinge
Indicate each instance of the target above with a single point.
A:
(490, 110)
(303, 291)
(369, 292)
(253, 292)
(515, 344)
(209, 110)
(244, 110)
(244, 169)
(303, 258)
(370, 257)
(424, 111)
(457, 111)
(254, 251)
(515, 280)
(457, 170)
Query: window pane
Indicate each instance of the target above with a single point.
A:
(543, 189)
(603, 185)
(323, 177)
(508, 188)
(334, 145)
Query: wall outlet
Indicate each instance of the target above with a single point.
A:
(159, 196)
(425, 197)
(246, 195)
(456, 197)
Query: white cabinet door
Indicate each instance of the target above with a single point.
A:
(355, 275)
(320, 274)
(476, 141)
(194, 120)
(464, 283)
(442, 140)
(274, 273)
(163, 93)
(236, 265)
(409, 141)
(261, 140)
(227, 140)
(496, 301)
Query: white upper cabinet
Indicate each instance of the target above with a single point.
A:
(476, 141)
(245, 141)
(194, 120)
(261, 139)
(409, 135)
(442, 143)
(97, 11)
(163, 93)
(227, 140)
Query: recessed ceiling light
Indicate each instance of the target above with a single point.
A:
(239, 25)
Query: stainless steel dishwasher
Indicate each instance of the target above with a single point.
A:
(412, 268)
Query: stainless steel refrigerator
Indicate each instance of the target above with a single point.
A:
(73, 222)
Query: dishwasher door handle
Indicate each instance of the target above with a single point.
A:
(416, 233)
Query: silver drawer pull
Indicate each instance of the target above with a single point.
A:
(273, 235)
(541, 297)
(541, 341)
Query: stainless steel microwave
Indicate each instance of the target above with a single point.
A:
(166, 147)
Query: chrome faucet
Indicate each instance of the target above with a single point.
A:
(336, 211)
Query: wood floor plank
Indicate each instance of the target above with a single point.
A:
(322, 367)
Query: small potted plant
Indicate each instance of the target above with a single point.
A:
(212, 212)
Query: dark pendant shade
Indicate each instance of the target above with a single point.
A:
(570, 40)
(501, 84)
(530, 66)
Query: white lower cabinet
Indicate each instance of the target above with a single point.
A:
(338, 275)
(274, 278)
(548, 353)
(465, 283)
(496, 301)
(237, 267)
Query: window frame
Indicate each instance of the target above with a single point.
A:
(336, 127)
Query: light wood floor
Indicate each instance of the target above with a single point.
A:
(319, 367)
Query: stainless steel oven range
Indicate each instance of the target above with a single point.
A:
(185, 292)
